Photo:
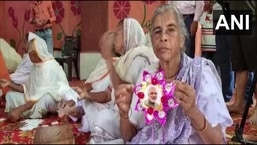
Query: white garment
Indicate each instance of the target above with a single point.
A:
(99, 77)
(43, 84)
(128, 67)
(106, 126)
(100, 80)
(45, 77)
(11, 58)
(22, 72)
(135, 45)
(189, 7)
(148, 40)
(41, 107)
(210, 102)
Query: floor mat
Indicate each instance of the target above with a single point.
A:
(11, 134)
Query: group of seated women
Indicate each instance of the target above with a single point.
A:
(106, 102)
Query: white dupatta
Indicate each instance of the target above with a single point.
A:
(45, 77)
(135, 45)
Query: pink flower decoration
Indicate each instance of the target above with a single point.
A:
(59, 11)
(14, 19)
(27, 15)
(166, 91)
(75, 7)
(148, 2)
(121, 9)
(11, 12)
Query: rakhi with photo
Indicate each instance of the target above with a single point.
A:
(155, 97)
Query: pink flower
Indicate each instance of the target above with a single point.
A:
(148, 2)
(11, 12)
(14, 19)
(75, 7)
(27, 15)
(59, 11)
(121, 9)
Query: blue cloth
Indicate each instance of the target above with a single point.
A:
(47, 35)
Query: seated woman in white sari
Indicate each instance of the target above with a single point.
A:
(94, 94)
(39, 94)
(130, 42)
(22, 71)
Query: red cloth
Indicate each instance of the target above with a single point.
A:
(4, 74)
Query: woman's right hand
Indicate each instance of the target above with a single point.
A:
(106, 44)
(123, 98)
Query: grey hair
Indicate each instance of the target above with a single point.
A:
(179, 18)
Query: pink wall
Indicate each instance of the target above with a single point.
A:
(1, 18)
(16, 26)
(68, 13)
(140, 10)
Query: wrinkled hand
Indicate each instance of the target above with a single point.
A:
(123, 98)
(106, 44)
(4, 83)
(87, 86)
(193, 28)
(185, 97)
(83, 94)
(66, 108)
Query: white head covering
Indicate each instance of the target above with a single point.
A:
(40, 47)
(134, 35)
(135, 45)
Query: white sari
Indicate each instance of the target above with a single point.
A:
(43, 84)
(100, 80)
(128, 67)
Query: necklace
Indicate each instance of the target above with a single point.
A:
(169, 77)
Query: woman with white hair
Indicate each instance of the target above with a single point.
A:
(201, 115)
(40, 92)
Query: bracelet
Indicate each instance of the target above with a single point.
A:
(204, 126)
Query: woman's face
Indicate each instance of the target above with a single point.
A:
(119, 40)
(33, 54)
(166, 38)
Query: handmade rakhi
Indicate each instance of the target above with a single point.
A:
(155, 97)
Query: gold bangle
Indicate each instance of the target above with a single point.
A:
(204, 126)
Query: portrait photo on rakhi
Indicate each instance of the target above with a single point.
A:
(155, 97)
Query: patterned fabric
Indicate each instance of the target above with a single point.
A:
(180, 133)
(178, 128)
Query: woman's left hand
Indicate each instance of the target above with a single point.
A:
(185, 97)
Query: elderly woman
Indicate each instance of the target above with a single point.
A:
(130, 43)
(40, 92)
(202, 116)
(95, 94)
